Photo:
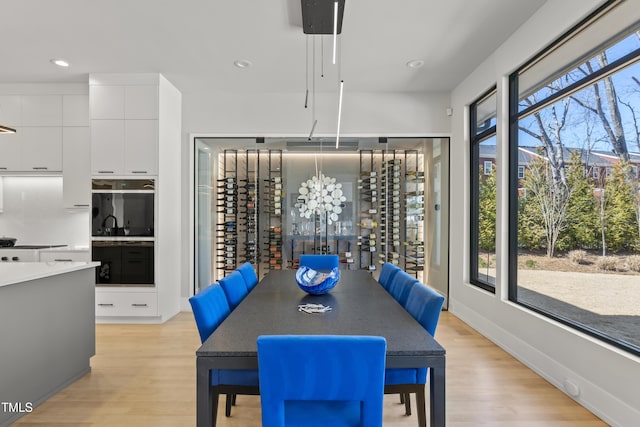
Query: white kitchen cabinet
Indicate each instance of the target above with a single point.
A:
(141, 147)
(42, 149)
(107, 147)
(113, 303)
(75, 110)
(37, 145)
(147, 141)
(11, 151)
(129, 147)
(141, 102)
(11, 110)
(65, 256)
(76, 171)
(107, 102)
(41, 110)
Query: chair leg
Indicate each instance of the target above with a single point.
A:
(421, 404)
(407, 403)
(401, 397)
(227, 409)
(234, 399)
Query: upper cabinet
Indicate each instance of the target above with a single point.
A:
(39, 121)
(124, 126)
(41, 110)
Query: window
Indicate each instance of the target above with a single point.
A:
(488, 167)
(483, 191)
(520, 172)
(574, 237)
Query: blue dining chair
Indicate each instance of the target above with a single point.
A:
(319, 262)
(387, 272)
(249, 275)
(210, 308)
(234, 288)
(400, 285)
(425, 305)
(321, 380)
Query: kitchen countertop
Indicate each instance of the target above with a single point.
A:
(18, 272)
(68, 249)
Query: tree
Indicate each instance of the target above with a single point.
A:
(549, 199)
(582, 210)
(487, 212)
(550, 123)
(621, 223)
(531, 233)
(607, 109)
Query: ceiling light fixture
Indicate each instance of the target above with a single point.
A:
(60, 63)
(415, 63)
(242, 63)
(5, 129)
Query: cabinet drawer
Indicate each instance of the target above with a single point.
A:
(126, 304)
(61, 256)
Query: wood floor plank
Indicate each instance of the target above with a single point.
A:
(144, 375)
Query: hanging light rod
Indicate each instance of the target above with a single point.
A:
(315, 122)
(335, 30)
(339, 114)
(318, 16)
(5, 129)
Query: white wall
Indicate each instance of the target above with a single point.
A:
(35, 215)
(607, 377)
(283, 114)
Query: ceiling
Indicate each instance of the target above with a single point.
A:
(194, 43)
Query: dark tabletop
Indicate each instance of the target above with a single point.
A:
(360, 306)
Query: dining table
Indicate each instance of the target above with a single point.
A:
(359, 306)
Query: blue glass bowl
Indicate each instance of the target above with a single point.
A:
(317, 282)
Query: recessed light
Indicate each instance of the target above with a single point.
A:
(242, 63)
(415, 63)
(60, 63)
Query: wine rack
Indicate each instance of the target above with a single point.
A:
(249, 195)
(274, 194)
(414, 214)
(227, 213)
(251, 199)
(368, 187)
(391, 200)
(249, 220)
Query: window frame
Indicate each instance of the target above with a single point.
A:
(476, 138)
(514, 116)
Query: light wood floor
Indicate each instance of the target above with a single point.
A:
(144, 375)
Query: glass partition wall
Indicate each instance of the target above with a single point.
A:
(269, 200)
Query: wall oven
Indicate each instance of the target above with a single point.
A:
(123, 212)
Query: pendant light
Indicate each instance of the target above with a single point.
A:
(323, 17)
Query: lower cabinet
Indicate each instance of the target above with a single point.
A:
(112, 302)
(124, 264)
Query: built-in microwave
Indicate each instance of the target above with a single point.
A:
(122, 207)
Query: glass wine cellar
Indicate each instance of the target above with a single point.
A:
(267, 201)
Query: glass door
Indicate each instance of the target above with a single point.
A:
(203, 206)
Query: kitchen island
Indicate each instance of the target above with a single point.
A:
(47, 337)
